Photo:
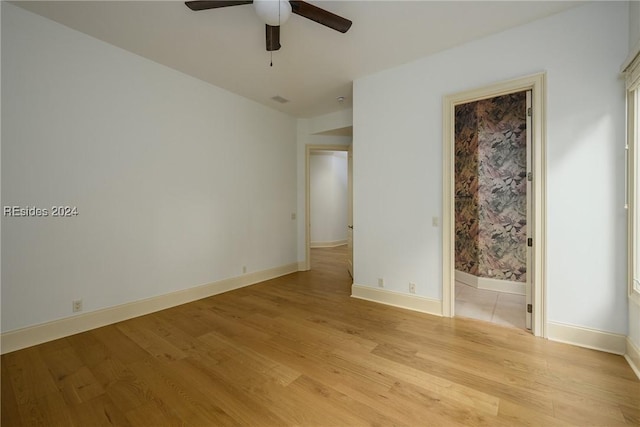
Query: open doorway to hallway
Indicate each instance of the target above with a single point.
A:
(329, 204)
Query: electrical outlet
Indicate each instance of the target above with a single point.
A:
(381, 282)
(412, 288)
(293, 215)
(77, 305)
(244, 269)
(435, 221)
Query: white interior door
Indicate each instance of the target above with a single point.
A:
(350, 211)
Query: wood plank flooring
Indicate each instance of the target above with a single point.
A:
(298, 350)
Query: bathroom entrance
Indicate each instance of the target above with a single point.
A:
(499, 256)
(492, 160)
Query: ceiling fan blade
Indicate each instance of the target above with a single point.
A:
(203, 5)
(273, 38)
(320, 16)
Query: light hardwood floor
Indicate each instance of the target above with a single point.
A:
(299, 351)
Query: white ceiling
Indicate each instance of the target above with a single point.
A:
(315, 65)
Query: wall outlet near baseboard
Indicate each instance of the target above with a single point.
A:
(412, 288)
(381, 282)
(77, 305)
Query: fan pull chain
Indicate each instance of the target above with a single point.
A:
(271, 52)
(278, 27)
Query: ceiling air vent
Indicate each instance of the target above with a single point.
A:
(280, 99)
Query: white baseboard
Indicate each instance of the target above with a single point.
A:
(331, 244)
(633, 357)
(302, 266)
(486, 283)
(396, 299)
(38, 334)
(588, 338)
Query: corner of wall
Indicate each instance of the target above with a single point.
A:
(632, 356)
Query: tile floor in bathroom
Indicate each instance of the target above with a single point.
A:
(496, 307)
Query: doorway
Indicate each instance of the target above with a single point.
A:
(328, 219)
(535, 181)
(492, 143)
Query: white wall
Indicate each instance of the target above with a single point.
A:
(0, 168)
(397, 122)
(329, 196)
(330, 121)
(634, 23)
(177, 183)
(634, 41)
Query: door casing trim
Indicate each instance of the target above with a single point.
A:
(537, 84)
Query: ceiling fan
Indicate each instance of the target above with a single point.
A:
(276, 12)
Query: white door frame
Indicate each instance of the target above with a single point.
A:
(537, 84)
(307, 195)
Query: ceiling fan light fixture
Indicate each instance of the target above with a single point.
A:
(273, 12)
